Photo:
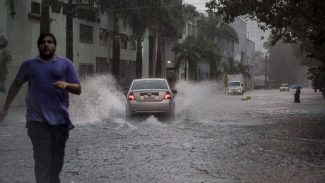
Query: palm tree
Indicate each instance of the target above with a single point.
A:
(210, 52)
(117, 10)
(188, 53)
(164, 18)
(237, 68)
(137, 19)
(210, 27)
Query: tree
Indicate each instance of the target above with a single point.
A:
(165, 21)
(188, 53)
(210, 28)
(164, 18)
(117, 10)
(289, 20)
(137, 19)
(209, 51)
(194, 50)
(237, 68)
(5, 59)
(317, 75)
(285, 65)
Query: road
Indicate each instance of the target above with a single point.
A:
(214, 138)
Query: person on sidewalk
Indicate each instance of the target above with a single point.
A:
(297, 95)
(50, 80)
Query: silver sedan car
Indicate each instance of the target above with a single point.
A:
(150, 96)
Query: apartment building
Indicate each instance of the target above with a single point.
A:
(92, 43)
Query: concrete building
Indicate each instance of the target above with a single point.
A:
(92, 43)
(244, 50)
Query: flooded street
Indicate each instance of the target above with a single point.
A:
(214, 138)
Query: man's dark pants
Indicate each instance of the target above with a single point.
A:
(48, 146)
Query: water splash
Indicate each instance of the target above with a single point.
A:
(205, 101)
(100, 101)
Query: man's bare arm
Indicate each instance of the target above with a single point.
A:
(74, 88)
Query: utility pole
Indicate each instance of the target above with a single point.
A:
(69, 30)
(45, 17)
(265, 76)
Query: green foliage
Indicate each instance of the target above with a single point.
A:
(227, 30)
(317, 75)
(237, 68)
(193, 50)
(209, 28)
(289, 20)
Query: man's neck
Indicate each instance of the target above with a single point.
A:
(47, 59)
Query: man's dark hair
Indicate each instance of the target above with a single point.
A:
(42, 36)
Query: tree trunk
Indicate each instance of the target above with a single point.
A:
(192, 71)
(116, 49)
(212, 70)
(45, 17)
(158, 58)
(139, 58)
(69, 31)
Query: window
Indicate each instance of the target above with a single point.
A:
(86, 70)
(35, 8)
(102, 66)
(133, 43)
(86, 34)
(124, 41)
(189, 31)
(56, 6)
(103, 35)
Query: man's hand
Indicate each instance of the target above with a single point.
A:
(74, 88)
(3, 114)
(61, 84)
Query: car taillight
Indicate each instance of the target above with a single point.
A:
(131, 96)
(167, 95)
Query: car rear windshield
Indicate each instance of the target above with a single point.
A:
(149, 84)
(234, 83)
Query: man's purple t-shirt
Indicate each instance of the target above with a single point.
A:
(45, 102)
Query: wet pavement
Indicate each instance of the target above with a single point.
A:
(214, 138)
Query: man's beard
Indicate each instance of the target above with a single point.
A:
(46, 56)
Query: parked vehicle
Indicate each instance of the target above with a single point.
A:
(284, 87)
(150, 96)
(235, 84)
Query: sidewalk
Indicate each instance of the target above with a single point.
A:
(15, 149)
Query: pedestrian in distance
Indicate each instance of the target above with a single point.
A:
(50, 80)
(297, 95)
